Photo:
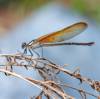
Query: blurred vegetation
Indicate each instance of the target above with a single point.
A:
(25, 5)
(90, 8)
(22, 8)
(86, 7)
(12, 11)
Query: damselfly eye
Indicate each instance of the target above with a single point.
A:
(24, 45)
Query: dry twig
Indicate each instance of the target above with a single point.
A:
(50, 86)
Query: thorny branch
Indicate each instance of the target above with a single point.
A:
(51, 86)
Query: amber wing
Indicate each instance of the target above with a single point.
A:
(64, 34)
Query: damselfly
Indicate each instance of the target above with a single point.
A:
(57, 38)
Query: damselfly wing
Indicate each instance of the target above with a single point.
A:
(63, 34)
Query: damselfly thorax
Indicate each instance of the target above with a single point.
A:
(56, 38)
(30, 46)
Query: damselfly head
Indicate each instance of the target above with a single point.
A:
(24, 44)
